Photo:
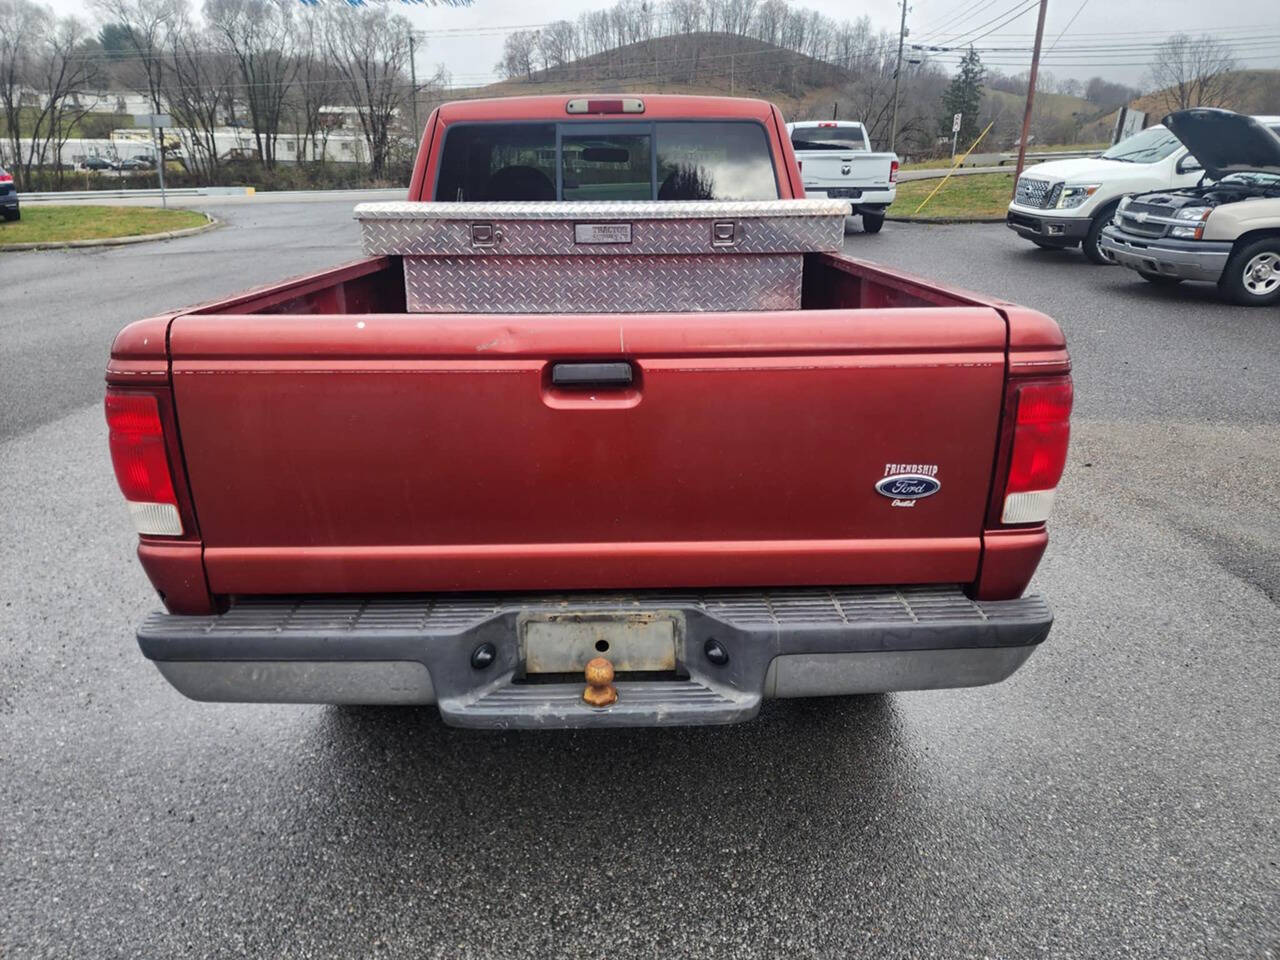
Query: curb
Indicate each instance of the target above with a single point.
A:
(114, 241)
(909, 219)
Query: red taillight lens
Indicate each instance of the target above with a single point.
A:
(893, 172)
(136, 438)
(137, 448)
(6, 178)
(1042, 429)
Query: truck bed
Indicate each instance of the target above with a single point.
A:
(376, 285)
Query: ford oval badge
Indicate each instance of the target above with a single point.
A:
(908, 486)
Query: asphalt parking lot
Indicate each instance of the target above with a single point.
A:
(1115, 798)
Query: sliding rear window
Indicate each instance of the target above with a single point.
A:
(607, 160)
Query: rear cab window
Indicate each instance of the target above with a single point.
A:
(607, 161)
(830, 136)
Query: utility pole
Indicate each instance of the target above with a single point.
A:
(413, 83)
(1031, 94)
(897, 76)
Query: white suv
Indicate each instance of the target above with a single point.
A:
(1068, 202)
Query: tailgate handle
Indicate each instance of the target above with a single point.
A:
(592, 374)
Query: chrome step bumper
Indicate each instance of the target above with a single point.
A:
(781, 643)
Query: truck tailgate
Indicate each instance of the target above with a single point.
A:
(342, 453)
(829, 168)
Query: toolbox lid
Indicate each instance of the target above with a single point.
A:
(633, 227)
(600, 210)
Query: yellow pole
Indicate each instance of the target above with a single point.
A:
(953, 168)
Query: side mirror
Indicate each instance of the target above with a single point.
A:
(1189, 164)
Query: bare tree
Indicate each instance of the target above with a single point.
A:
(318, 85)
(559, 44)
(369, 48)
(200, 87)
(44, 67)
(70, 67)
(1194, 72)
(22, 25)
(145, 26)
(258, 34)
(519, 55)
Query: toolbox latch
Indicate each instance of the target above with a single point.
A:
(484, 235)
(724, 233)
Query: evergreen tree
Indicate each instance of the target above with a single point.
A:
(964, 96)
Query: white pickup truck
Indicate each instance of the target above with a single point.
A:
(836, 161)
(1065, 203)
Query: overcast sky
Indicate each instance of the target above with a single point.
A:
(1113, 38)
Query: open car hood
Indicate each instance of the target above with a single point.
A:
(1226, 142)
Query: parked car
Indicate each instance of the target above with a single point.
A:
(836, 161)
(1225, 230)
(1067, 203)
(98, 163)
(8, 196)
(137, 163)
(678, 439)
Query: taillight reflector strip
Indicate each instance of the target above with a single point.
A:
(136, 439)
(1041, 435)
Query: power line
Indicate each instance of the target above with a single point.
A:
(1122, 48)
(957, 16)
(1014, 14)
(1079, 10)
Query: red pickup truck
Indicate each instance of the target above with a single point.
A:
(350, 488)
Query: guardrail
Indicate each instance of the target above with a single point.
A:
(147, 192)
(1003, 159)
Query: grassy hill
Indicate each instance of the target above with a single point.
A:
(1255, 92)
(701, 63)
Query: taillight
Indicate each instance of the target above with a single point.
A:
(893, 172)
(6, 178)
(136, 438)
(1039, 453)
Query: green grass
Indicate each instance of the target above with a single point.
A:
(59, 224)
(978, 195)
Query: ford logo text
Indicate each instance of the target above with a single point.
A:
(908, 486)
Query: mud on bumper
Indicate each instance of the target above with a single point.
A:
(780, 643)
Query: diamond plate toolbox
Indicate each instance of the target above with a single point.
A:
(602, 257)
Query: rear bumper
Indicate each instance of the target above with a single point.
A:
(1189, 259)
(9, 201)
(874, 199)
(1049, 229)
(781, 643)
